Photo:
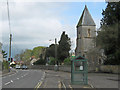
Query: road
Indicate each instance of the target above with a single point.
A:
(23, 79)
(51, 79)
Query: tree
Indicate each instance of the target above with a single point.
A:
(50, 51)
(64, 47)
(17, 57)
(108, 37)
(41, 61)
(37, 51)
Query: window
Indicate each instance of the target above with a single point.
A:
(88, 32)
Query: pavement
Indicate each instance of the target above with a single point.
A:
(6, 72)
(104, 80)
(59, 79)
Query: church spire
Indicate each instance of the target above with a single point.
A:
(86, 19)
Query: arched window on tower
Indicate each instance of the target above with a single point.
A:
(89, 33)
(79, 34)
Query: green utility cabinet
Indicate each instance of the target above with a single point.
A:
(79, 70)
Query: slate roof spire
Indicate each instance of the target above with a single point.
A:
(86, 19)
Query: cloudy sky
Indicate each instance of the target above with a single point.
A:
(35, 23)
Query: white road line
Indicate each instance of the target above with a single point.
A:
(18, 78)
(7, 83)
(41, 78)
(12, 81)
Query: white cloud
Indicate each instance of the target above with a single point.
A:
(31, 24)
(34, 24)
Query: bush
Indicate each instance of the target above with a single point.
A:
(52, 61)
(67, 61)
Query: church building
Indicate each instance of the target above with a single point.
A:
(86, 28)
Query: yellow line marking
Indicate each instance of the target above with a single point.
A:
(71, 87)
(91, 85)
(39, 85)
(59, 84)
(36, 86)
(64, 85)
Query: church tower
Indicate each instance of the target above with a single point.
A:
(85, 33)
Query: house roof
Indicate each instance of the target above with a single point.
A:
(86, 19)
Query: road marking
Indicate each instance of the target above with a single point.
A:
(18, 78)
(91, 85)
(7, 83)
(38, 85)
(12, 81)
(21, 76)
(41, 78)
(64, 85)
(59, 84)
(71, 87)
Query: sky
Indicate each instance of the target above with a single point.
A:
(36, 23)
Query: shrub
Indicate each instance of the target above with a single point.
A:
(67, 61)
(52, 61)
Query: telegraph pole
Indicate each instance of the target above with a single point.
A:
(56, 50)
(10, 46)
(9, 59)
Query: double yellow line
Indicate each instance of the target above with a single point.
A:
(38, 85)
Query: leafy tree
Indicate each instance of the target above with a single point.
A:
(37, 51)
(17, 57)
(50, 51)
(52, 61)
(108, 37)
(63, 47)
(41, 61)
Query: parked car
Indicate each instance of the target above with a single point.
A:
(17, 66)
(24, 67)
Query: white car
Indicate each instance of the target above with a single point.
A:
(17, 66)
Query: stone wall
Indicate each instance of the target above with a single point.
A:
(67, 68)
(109, 68)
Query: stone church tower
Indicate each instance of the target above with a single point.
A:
(85, 33)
